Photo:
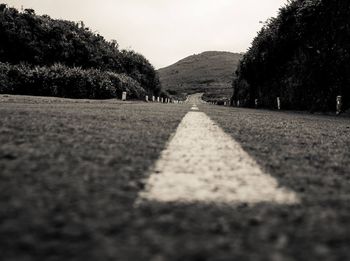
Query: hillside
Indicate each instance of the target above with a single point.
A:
(208, 72)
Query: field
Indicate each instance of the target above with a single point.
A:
(71, 171)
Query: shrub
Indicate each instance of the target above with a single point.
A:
(302, 56)
(43, 41)
(62, 81)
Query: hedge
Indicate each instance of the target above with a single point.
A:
(67, 82)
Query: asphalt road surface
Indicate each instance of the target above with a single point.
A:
(106, 180)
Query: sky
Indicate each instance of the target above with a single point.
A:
(165, 31)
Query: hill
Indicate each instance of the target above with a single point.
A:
(208, 72)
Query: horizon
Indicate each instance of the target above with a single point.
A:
(165, 31)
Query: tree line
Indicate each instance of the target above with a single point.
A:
(39, 45)
(301, 56)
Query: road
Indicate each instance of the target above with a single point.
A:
(90, 180)
(195, 99)
(202, 164)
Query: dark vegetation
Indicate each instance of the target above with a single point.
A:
(302, 56)
(42, 51)
(209, 73)
(62, 81)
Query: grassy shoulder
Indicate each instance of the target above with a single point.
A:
(70, 172)
(308, 154)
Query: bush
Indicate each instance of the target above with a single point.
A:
(43, 41)
(302, 56)
(62, 81)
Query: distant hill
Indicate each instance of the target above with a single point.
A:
(208, 72)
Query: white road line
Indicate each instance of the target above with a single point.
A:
(203, 164)
(194, 108)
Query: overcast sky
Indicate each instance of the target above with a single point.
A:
(166, 31)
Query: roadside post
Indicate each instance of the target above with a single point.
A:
(124, 96)
(162, 100)
(278, 103)
(146, 98)
(153, 98)
(256, 102)
(158, 99)
(339, 104)
(238, 103)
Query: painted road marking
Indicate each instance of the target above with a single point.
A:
(203, 164)
(194, 108)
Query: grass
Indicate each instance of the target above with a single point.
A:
(71, 171)
(217, 95)
(310, 155)
(209, 72)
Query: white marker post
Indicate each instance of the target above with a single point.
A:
(124, 96)
(162, 100)
(153, 98)
(278, 103)
(339, 104)
(146, 98)
(158, 99)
